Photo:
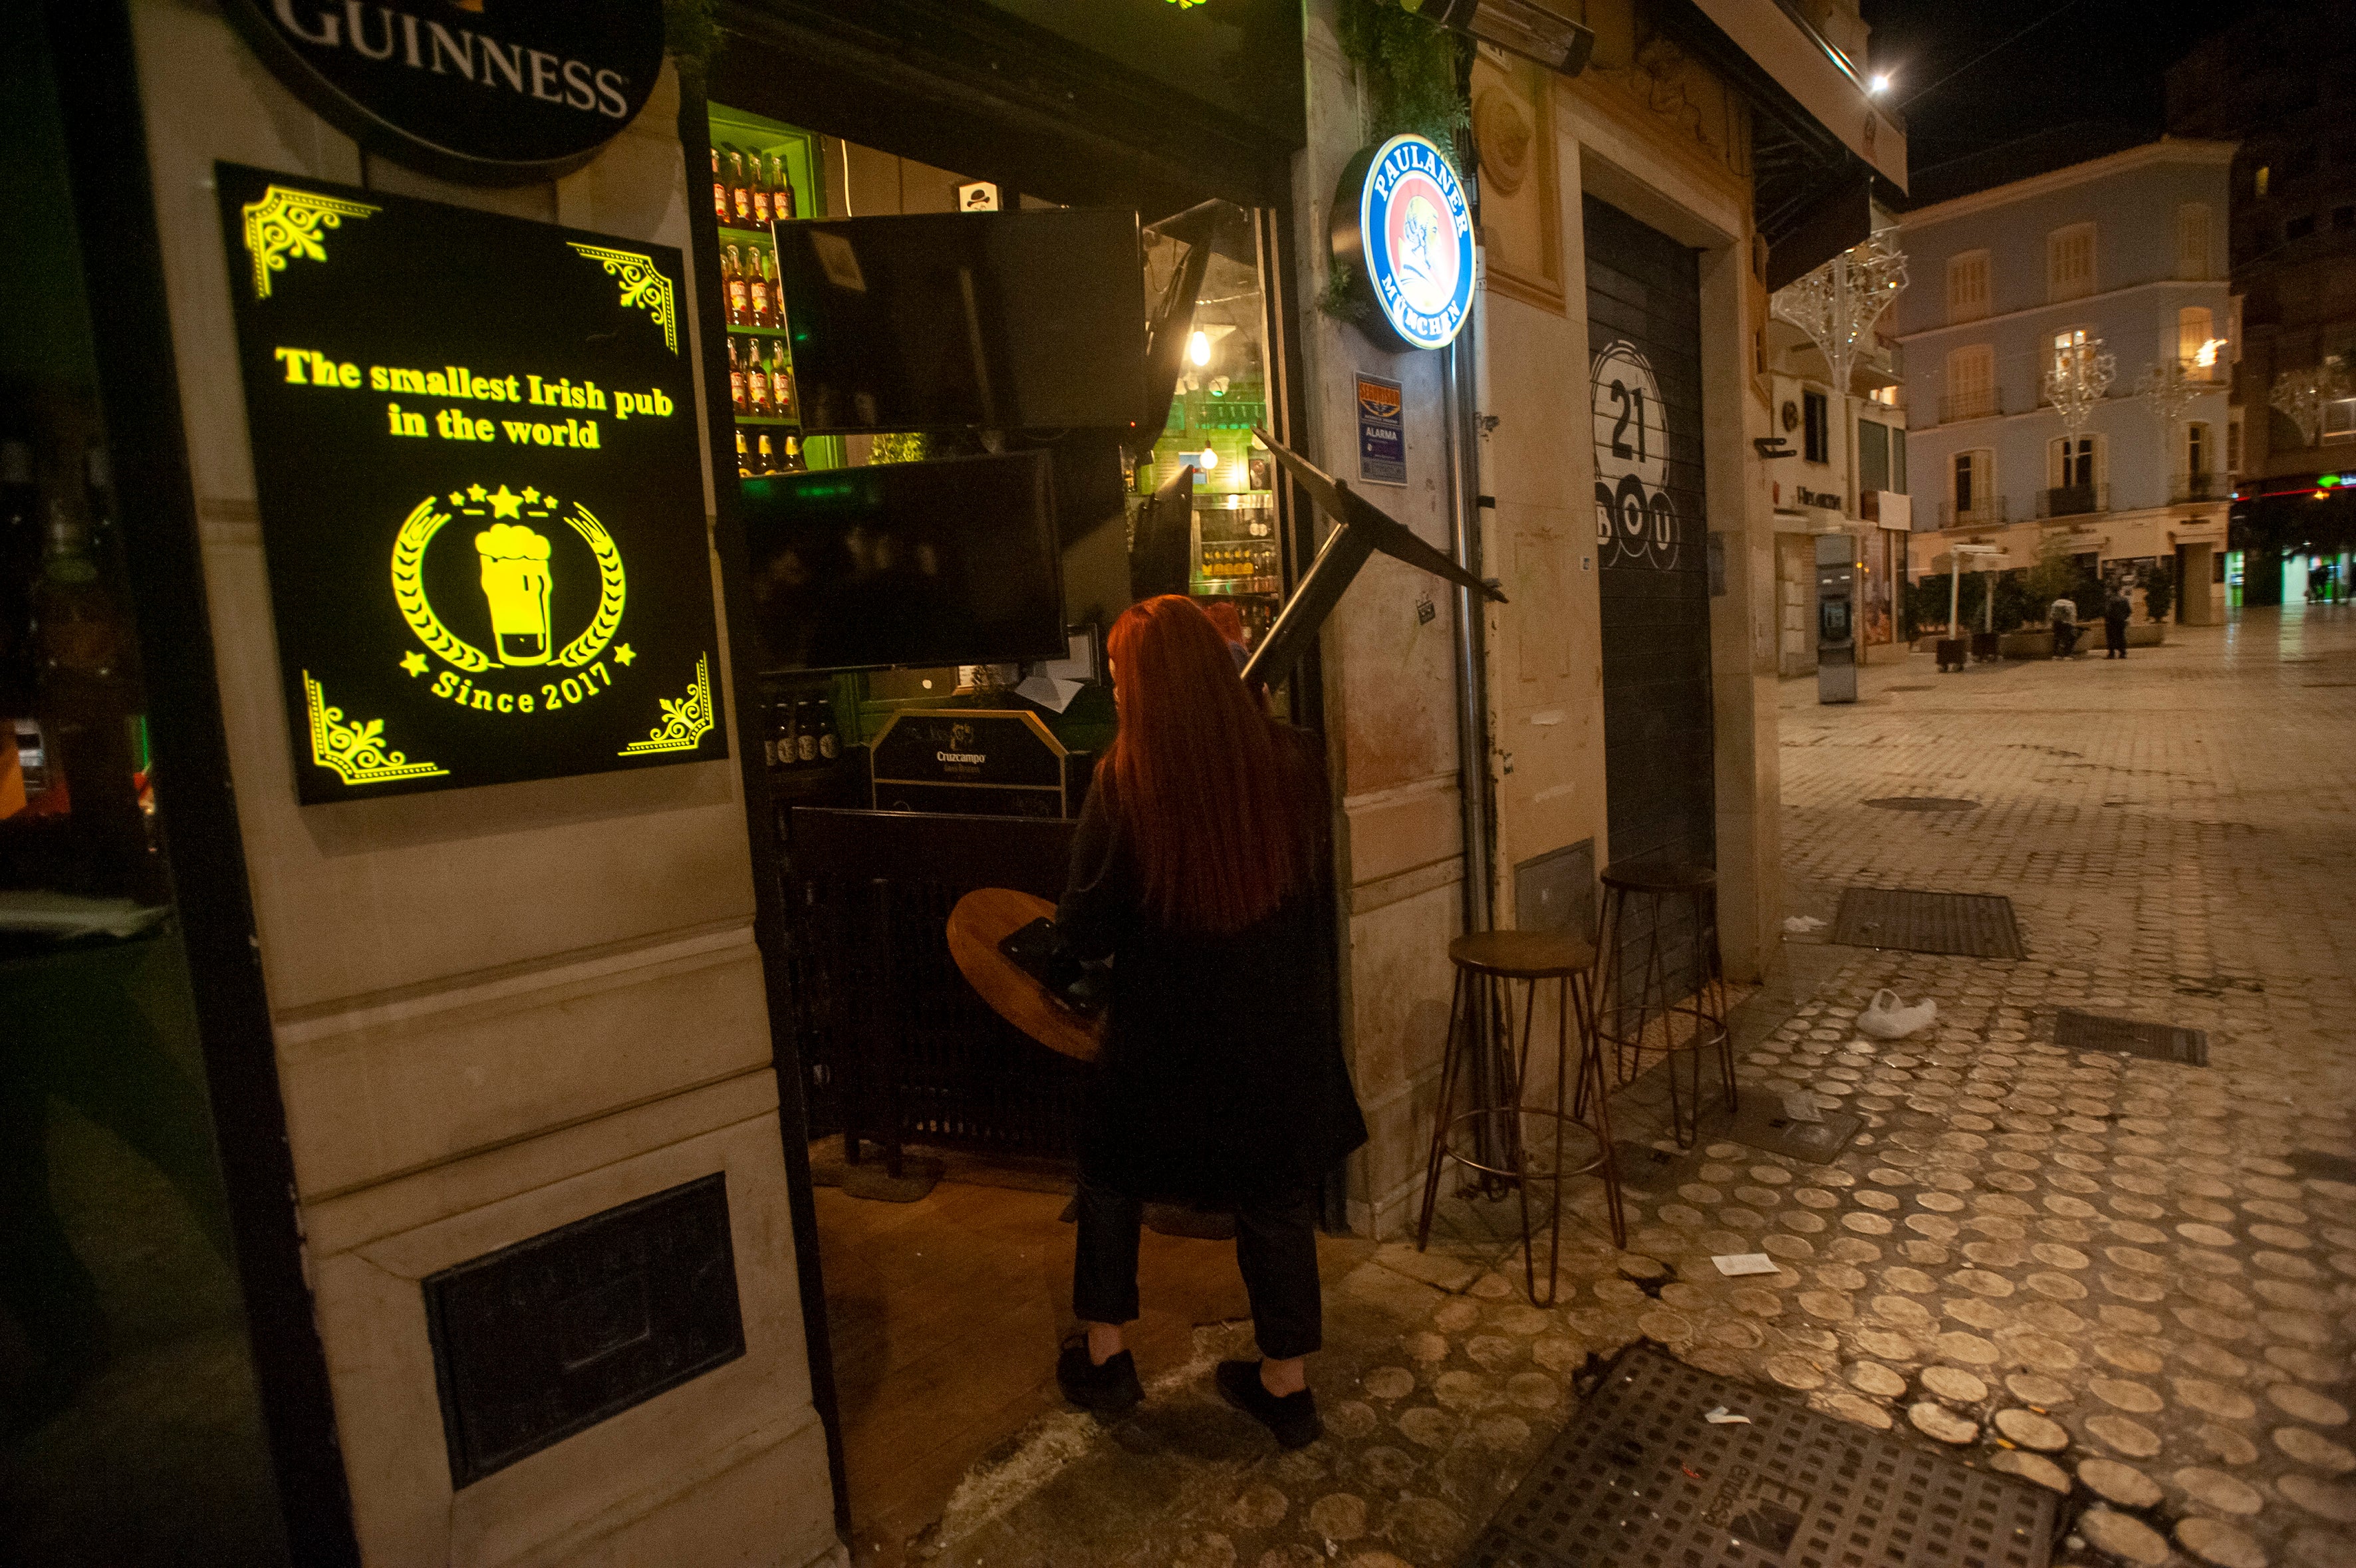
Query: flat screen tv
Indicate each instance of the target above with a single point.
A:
(953, 561)
(967, 321)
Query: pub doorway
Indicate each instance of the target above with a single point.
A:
(937, 1253)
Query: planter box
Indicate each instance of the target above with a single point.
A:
(2038, 642)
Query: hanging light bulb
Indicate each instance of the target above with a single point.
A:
(1209, 462)
(1198, 346)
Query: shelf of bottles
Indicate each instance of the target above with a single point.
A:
(1234, 552)
(763, 172)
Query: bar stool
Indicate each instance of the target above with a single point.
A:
(1487, 963)
(1635, 992)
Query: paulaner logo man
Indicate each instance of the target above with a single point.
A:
(516, 583)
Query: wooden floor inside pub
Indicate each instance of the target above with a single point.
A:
(945, 1316)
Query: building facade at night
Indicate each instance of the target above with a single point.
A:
(2277, 85)
(2124, 256)
(424, 1169)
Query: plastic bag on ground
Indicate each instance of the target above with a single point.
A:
(1887, 1017)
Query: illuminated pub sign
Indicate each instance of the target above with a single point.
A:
(481, 490)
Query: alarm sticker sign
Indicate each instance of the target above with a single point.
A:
(1382, 432)
(481, 490)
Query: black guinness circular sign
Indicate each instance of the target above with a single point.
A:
(487, 91)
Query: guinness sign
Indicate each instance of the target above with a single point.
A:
(487, 92)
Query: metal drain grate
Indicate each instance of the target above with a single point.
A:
(2076, 1031)
(1974, 924)
(1640, 1479)
(1924, 803)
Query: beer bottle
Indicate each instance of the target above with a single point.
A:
(731, 277)
(806, 732)
(756, 383)
(744, 455)
(740, 194)
(781, 745)
(781, 384)
(736, 398)
(758, 181)
(781, 198)
(757, 287)
(719, 187)
(830, 744)
(764, 460)
(795, 462)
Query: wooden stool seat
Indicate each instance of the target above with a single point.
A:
(983, 918)
(1522, 955)
(1481, 1064)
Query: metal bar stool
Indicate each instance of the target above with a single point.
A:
(1635, 992)
(1487, 963)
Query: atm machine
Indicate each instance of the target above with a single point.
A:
(1836, 619)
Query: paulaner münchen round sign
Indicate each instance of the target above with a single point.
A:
(488, 92)
(1403, 228)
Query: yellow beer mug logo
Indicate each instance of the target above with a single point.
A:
(516, 584)
(517, 567)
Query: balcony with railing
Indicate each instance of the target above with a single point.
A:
(1956, 407)
(1987, 513)
(2074, 500)
(2208, 486)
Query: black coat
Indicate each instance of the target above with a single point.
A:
(1222, 1080)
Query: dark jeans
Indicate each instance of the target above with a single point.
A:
(2114, 637)
(2066, 639)
(1276, 1248)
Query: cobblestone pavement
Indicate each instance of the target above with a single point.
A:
(2129, 1281)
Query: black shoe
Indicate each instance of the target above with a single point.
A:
(1294, 1418)
(1108, 1388)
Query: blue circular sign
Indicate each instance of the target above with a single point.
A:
(1401, 222)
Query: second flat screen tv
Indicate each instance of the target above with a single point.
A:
(954, 561)
(966, 321)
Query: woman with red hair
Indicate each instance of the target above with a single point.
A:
(1200, 872)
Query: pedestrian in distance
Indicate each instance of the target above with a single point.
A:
(2116, 611)
(1200, 874)
(2064, 619)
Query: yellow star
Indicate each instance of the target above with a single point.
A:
(532, 496)
(457, 497)
(622, 654)
(506, 503)
(413, 662)
(477, 492)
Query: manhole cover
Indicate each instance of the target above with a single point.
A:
(2318, 1166)
(2076, 1031)
(1924, 803)
(1975, 925)
(1640, 1478)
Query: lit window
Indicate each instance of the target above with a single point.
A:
(2196, 347)
(2262, 178)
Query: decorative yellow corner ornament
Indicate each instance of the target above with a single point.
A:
(286, 224)
(643, 285)
(684, 721)
(355, 752)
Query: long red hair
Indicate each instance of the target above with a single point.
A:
(1221, 807)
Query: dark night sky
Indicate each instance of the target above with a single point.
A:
(2092, 61)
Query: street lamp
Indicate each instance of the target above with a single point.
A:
(2299, 395)
(2080, 377)
(1837, 303)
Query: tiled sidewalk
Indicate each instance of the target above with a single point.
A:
(2129, 1281)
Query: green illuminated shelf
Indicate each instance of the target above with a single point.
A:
(766, 419)
(727, 231)
(760, 331)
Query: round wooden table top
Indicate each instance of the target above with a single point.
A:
(1522, 955)
(983, 918)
